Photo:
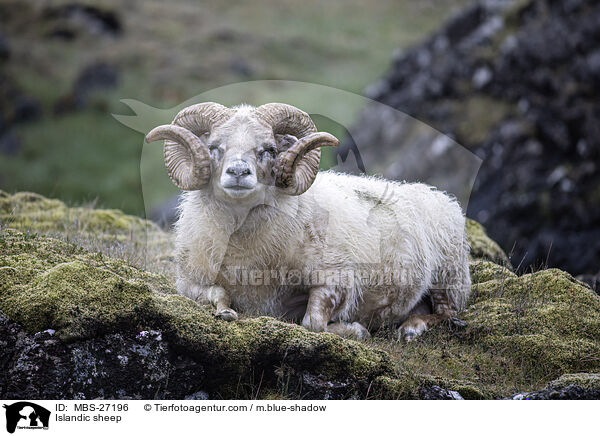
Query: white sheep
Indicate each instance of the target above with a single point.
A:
(263, 232)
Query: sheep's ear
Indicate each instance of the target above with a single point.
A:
(284, 142)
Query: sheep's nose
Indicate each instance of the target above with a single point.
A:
(238, 168)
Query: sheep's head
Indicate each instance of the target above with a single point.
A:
(242, 151)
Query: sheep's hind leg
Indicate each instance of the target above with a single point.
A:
(322, 303)
(419, 322)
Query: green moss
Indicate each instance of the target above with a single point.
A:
(400, 387)
(482, 247)
(27, 210)
(548, 322)
(133, 239)
(82, 295)
(484, 270)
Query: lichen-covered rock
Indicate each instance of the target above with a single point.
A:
(97, 327)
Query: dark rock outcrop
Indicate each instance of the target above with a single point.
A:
(517, 83)
(118, 365)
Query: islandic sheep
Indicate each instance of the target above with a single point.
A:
(262, 231)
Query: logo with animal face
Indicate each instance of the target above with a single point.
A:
(26, 415)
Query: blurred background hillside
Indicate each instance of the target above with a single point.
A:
(517, 82)
(65, 65)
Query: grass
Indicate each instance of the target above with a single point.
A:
(170, 52)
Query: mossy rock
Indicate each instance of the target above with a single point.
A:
(584, 380)
(410, 386)
(483, 247)
(50, 284)
(547, 318)
(485, 270)
(27, 210)
(579, 386)
(522, 332)
(110, 231)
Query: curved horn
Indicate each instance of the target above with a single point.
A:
(186, 158)
(299, 165)
(202, 117)
(284, 118)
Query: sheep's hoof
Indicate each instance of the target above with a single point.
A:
(227, 315)
(411, 328)
(353, 330)
(456, 323)
(361, 333)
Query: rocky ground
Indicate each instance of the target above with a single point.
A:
(79, 323)
(515, 82)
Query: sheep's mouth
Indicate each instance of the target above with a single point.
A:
(238, 188)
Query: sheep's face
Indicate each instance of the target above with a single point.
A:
(249, 153)
(243, 153)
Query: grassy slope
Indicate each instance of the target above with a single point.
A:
(171, 51)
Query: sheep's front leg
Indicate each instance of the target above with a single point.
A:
(321, 303)
(207, 294)
(221, 300)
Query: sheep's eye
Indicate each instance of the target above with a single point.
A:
(268, 153)
(215, 151)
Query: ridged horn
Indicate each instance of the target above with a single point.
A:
(298, 166)
(186, 157)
